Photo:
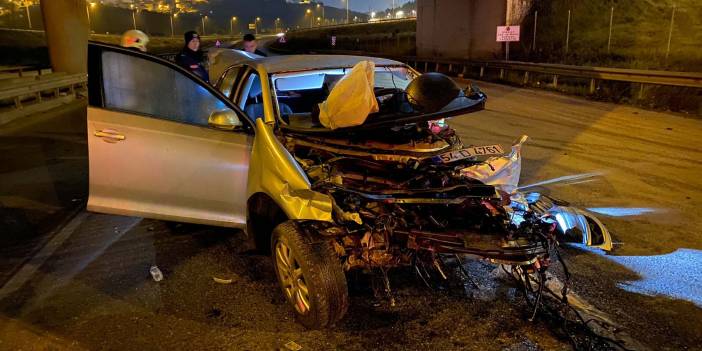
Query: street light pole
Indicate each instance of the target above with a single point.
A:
(134, 18)
(670, 34)
(567, 33)
(172, 29)
(347, 11)
(321, 6)
(533, 41)
(609, 36)
(29, 18)
(203, 24)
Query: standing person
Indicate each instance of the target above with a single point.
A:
(251, 46)
(191, 56)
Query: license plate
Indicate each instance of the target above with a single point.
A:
(468, 152)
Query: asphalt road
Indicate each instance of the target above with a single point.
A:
(87, 286)
(43, 180)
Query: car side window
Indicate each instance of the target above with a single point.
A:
(134, 84)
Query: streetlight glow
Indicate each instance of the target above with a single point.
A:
(231, 25)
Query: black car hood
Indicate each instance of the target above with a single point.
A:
(459, 106)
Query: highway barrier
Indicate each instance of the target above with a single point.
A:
(529, 69)
(594, 74)
(24, 96)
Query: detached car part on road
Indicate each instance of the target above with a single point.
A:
(400, 189)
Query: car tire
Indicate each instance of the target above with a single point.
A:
(307, 262)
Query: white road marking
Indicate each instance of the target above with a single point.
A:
(25, 273)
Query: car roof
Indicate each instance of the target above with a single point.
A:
(221, 59)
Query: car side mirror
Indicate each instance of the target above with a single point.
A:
(224, 120)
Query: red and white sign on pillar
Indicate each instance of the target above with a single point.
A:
(507, 34)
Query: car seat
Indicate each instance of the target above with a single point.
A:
(255, 110)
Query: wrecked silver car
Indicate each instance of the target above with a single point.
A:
(405, 190)
(388, 185)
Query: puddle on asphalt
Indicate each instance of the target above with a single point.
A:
(676, 274)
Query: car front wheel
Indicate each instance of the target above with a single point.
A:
(310, 275)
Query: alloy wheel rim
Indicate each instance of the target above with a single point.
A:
(292, 278)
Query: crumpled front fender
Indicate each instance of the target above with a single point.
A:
(275, 172)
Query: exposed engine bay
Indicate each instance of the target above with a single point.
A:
(410, 193)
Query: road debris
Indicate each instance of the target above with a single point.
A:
(291, 345)
(156, 273)
(222, 280)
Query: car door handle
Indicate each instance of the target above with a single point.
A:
(110, 136)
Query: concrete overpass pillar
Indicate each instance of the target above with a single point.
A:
(464, 29)
(67, 32)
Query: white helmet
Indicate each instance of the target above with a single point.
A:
(134, 38)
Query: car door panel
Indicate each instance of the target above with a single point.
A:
(136, 175)
(147, 164)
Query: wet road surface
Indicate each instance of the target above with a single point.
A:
(641, 167)
(89, 286)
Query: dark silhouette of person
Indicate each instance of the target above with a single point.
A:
(191, 57)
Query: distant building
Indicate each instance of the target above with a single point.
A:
(158, 5)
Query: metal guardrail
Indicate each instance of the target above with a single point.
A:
(594, 74)
(37, 86)
(21, 71)
(43, 91)
(528, 69)
(352, 24)
(168, 56)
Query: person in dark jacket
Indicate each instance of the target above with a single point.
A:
(251, 46)
(191, 57)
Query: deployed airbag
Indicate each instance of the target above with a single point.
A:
(352, 99)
